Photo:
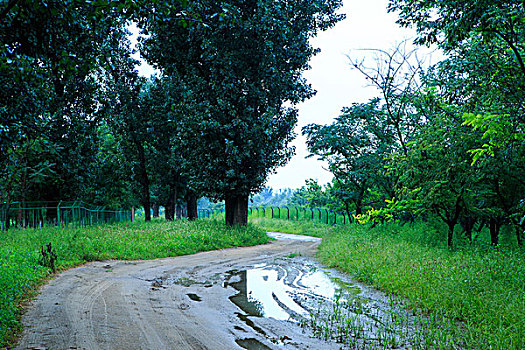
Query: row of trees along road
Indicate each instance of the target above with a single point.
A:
(77, 121)
(447, 141)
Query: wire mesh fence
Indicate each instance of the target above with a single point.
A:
(62, 214)
(323, 215)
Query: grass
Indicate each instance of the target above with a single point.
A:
(21, 273)
(476, 291)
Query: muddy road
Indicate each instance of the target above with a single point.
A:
(253, 298)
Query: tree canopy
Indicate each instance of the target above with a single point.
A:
(78, 121)
(453, 133)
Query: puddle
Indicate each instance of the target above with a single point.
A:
(283, 291)
(194, 297)
(323, 301)
(250, 323)
(251, 343)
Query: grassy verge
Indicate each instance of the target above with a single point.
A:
(476, 292)
(472, 297)
(21, 273)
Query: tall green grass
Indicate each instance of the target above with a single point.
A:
(20, 272)
(477, 287)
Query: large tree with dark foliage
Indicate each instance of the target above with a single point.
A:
(241, 63)
(49, 115)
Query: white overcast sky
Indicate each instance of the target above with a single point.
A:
(367, 26)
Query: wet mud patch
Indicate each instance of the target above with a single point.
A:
(277, 296)
(328, 304)
(252, 344)
(286, 289)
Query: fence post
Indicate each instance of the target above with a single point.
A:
(73, 212)
(3, 216)
(279, 211)
(327, 218)
(58, 214)
(101, 212)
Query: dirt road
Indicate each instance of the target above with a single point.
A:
(188, 302)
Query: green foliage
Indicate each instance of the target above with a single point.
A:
(77, 121)
(312, 195)
(238, 70)
(270, 198)
(498, 133)
(50, 59)
(448, 142)
(355, 146)
(392, 211)
(21, 273)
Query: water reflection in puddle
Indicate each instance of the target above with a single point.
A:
(251, 343)
(194, 297)
(281, 291)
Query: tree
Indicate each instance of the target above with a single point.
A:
(437, 170)
(396, 76)
(451, 23)
(356, 145)
(485, 73)
(312, 195)
(49, 56)
(240, 66)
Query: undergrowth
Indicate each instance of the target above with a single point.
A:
(21, 262)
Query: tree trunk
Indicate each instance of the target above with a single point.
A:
(236, 210)
(347, 209)
(169, 209)
(179, 212)
(495, 226)
(467, 223)
(451, 225)
(144, 181)
(21, 216)
(191, 201)
(358, 208)
(156, 208)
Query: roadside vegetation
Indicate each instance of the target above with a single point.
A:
(471, 297)
(23, 267)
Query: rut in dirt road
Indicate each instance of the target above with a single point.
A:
(174, 303)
